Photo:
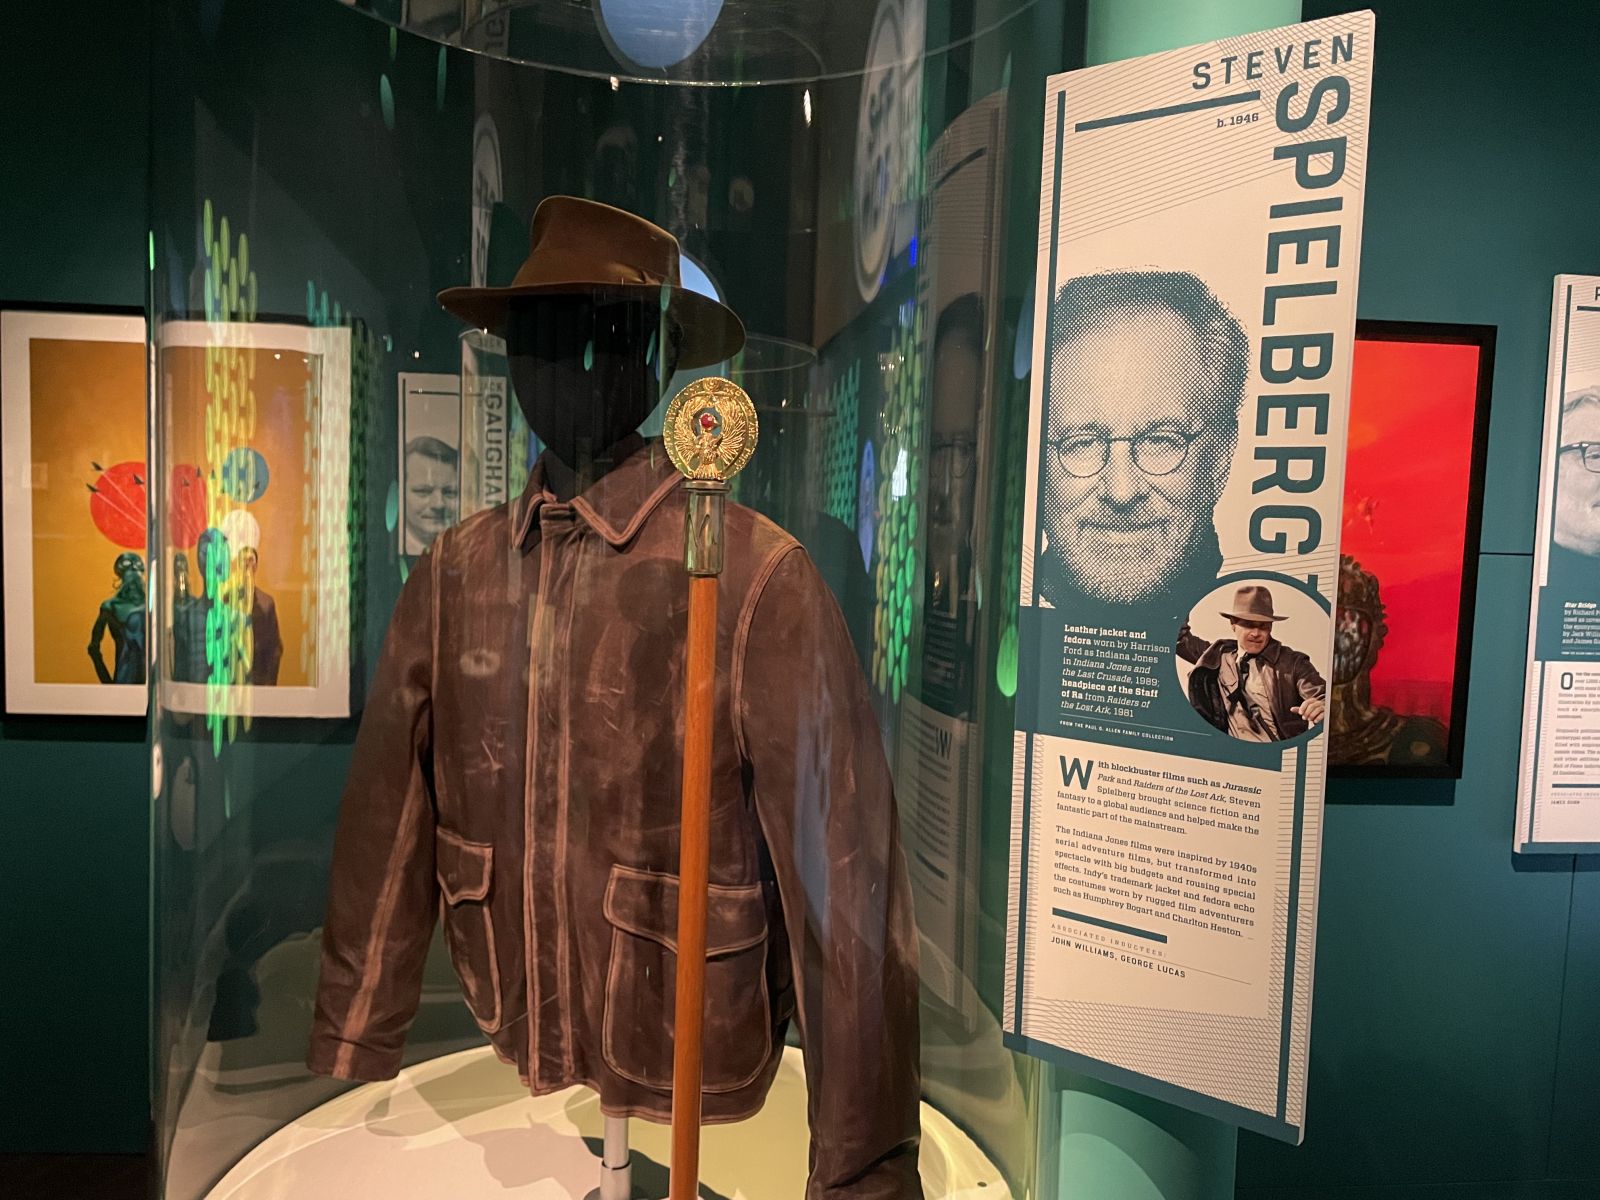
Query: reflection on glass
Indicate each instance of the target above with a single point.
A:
(432, 490)
(340, 226)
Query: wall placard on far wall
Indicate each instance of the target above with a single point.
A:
(1558, 778)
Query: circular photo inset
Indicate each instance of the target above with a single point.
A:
(1252, 659)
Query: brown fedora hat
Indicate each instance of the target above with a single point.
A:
(582, 247)
(1253, 602)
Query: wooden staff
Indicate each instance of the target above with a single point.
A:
(710, 433)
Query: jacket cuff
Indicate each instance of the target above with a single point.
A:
(340, 1059)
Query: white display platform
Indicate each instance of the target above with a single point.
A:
(463, 1126)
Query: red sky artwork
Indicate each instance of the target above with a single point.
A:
(1405, 507)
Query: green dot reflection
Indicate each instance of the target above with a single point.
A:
(229, 291)
(899, 500)
(1005, 668)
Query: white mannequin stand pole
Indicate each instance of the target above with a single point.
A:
(616, 1169)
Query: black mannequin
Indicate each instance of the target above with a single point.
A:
(587, 370)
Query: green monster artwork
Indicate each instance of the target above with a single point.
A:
(122, 616)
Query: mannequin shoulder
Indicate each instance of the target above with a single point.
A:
(762, 554)
(486, 530)
(496, 518)
(755, 532)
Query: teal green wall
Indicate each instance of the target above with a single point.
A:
(1455, 1037)
(74, 795)
(1454, 1034)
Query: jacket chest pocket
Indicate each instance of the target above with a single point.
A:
(641, 981)
(466, 872)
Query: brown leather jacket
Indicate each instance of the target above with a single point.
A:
(519, 759)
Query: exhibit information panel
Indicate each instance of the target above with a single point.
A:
(1558, 783)
(1199, 236)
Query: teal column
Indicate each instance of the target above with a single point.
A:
(1128, 28)
(1113, 1142)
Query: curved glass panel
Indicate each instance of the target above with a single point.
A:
(712, 43)
(407, 661)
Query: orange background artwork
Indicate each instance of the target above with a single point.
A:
(282, 380)
(87, 406)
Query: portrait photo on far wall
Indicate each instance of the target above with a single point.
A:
(1573, 564)
(430, 458)
(1419, 415)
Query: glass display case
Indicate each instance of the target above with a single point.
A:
(413, 564)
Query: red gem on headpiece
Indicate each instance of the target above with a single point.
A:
(707, 422)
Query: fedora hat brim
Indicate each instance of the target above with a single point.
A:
(1250, 616)
(711, 331)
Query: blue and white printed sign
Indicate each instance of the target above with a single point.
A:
(1199, 235)
(1558, 786)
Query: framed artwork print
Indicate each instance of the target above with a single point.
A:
(73, 510)
(255, 476)
(1419, 415)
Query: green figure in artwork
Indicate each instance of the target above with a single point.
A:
(122, 615)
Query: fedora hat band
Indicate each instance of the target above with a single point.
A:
(1252, 602)
(555, 266)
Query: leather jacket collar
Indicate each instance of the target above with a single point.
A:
(615, 505)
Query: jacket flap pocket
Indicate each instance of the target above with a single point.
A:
(463, 867)
(645, 903)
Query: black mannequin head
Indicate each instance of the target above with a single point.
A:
(588, 368)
